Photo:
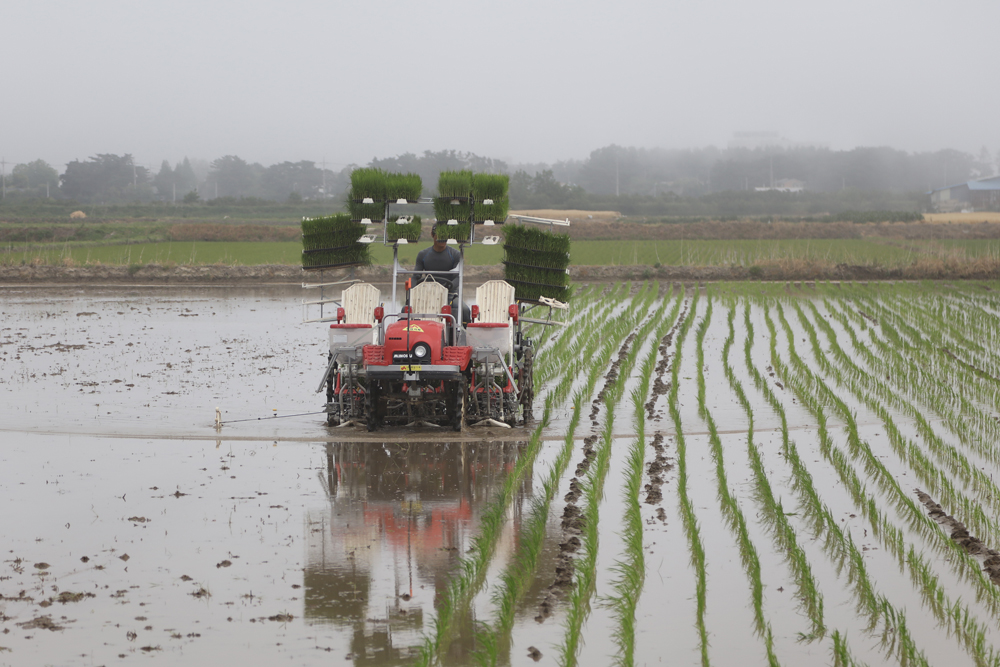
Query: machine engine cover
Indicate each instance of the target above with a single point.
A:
(415, 341)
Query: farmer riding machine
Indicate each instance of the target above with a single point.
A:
(423, 358)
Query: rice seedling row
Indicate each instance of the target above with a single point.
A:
(884, 498)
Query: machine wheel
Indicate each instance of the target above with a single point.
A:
(527, 384)
(372, 411)
(330, 419)
(455, 403)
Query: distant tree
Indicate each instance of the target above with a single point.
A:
(165, 181)
(106, 177)
(33, 177)
(192, 197)
(280, 180)
(185, 177)
(431, 164)
(234, 177)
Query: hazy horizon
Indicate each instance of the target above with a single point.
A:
(522, 82)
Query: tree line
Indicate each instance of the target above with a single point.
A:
(640, 181)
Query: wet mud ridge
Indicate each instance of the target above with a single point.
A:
(960, 535)
(661, 388)
(657, 469)
(573, 521)
(972, 367)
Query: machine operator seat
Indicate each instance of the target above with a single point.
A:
(360, 301)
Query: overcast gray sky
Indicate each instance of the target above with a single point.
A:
(521, 80)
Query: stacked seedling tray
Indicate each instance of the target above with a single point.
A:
(535, 262)
(372, 189)
(332, 242)
(454, 203)
(403, 228)
(366, 200)
(403, 188)
(489, 198)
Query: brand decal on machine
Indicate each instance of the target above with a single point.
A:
(413, 327)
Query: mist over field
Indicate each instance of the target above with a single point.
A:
(520, 81)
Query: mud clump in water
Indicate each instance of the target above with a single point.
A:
(960, 534)
(656, 469)
(41, 623)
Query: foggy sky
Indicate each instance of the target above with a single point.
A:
(521, 80)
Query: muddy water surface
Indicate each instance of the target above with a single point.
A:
(133, 529)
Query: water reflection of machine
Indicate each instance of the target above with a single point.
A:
(399, 518)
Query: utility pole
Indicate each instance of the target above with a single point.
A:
(3, 176)
(324, 178)
(616, 171)
(175, 193)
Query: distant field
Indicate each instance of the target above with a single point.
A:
(985, 216)
(881, 252)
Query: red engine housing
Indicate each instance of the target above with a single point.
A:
(402, 336)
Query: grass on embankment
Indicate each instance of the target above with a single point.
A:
(861, 252)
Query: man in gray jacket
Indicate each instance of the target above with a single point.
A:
(438, 257)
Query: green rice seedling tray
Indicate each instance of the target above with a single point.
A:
(359, 211)
(455, 184)
(528, 291)
(409, 231)
(531, 275)
(444, 210)
(368, 183)
(497, 211)
(403, 187)
(551, 260)
(459, 232)
(333, 241)
(490, 186)
(538, 240)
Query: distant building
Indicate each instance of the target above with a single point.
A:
(981, 195)
(785, 185)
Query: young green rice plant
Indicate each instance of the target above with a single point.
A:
(368, 183)
(631, 567)
(813, 392)
(472, 568)
(403, 186)
(333, 241)
(518, 575)
(688, 517)
(880, 612)
(455, 184)
(403, 228)
(773, 513)
(731, 509)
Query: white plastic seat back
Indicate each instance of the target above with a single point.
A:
(494, 298)
(360, 301)
(428, 297)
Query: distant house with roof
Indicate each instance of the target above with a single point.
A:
(981, 195)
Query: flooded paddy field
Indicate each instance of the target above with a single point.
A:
(738, 474)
